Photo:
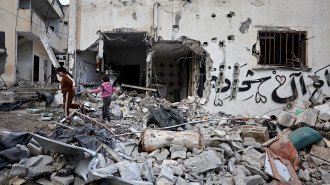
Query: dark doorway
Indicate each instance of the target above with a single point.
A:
(36, 68)
(130, 75)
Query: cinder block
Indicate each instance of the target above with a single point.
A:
(260, 134)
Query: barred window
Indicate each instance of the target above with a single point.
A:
(279, 48)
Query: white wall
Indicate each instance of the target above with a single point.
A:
(24, 60)
(195, 22)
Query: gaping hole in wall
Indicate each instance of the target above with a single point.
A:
(124, 55)
(3, 53)
(283, 48)
(178, 71)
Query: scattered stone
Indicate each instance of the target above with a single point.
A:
(253, 157)
(255, 180)
(62, 180)
(129, 171)
(304, 175)
(34, 150)
(203, 162)
(181, 181)
(324, 116)
(162, 155)
(178, 151)
(154, 153)
(166, 172)
(202, 101)
(321, 152)
(227, 150)
(141, 183)
(196, 151)
(78, 120)
(260, 134)
(108, 170)
(286, 119)
(249, 141)
(220, 133)
(308, 117)
(18, 170)
(43, 181)
(78, 181)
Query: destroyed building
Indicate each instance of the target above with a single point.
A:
(210, 92)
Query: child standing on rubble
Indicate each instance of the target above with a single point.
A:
(107, 90)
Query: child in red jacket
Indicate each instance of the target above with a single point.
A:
(107, 90)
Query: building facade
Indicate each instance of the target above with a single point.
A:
(32, 34)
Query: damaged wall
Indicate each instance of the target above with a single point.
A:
(228, 31)
(7, 25)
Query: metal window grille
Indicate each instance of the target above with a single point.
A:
(283, 48)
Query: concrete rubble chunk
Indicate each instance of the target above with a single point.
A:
(227, 150)
(38, 171)
(78, 181)
(41, 160)
(240, 177)
(203, 162)
(256, 171)
(43, 181)
(321, 152)
(154, 153)
(220, 133)
(141, 183)
(108, 170)
(166, 172)
(162, 155)
(231, 165)
(286, 119)
(178, 151)
(308, 117)
(18, 170)
(249, 141)
(304, 175)
(130, 171)
(196, 151)
(78, 120)
(235, 136)
(255, 180)
(34, 150)
(324, 116)
(62, 180)
(253, 157)
(181, 181)
(260, 134)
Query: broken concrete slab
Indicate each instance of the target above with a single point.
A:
(286, 119)
(321, 152)
(62, 180)
(220, 133)
(304, 175)
(166, 173)
(253, 157)
(255, 180)
(205, 161)
(78, 120)
(34, 150)
(308, 117)
(40, 160)
(130, 171)
(38, 171)
(178, 151)
(18, 170)
(227, 150)
(181, 181)
(162, 155)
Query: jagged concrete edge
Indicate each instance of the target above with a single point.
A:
(84, 167)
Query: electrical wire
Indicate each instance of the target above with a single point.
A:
(28, 20)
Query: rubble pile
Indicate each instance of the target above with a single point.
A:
(153, 141)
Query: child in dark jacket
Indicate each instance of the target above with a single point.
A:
(107, 90)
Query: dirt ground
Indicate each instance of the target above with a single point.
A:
(22, 120)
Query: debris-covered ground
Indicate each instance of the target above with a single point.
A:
(153, 141)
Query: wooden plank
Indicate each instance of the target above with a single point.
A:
(112, 153)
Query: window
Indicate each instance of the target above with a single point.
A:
(283, 48)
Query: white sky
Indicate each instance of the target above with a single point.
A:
(65, 2)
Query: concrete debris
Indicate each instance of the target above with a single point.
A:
(208, 160)
(153, 141)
